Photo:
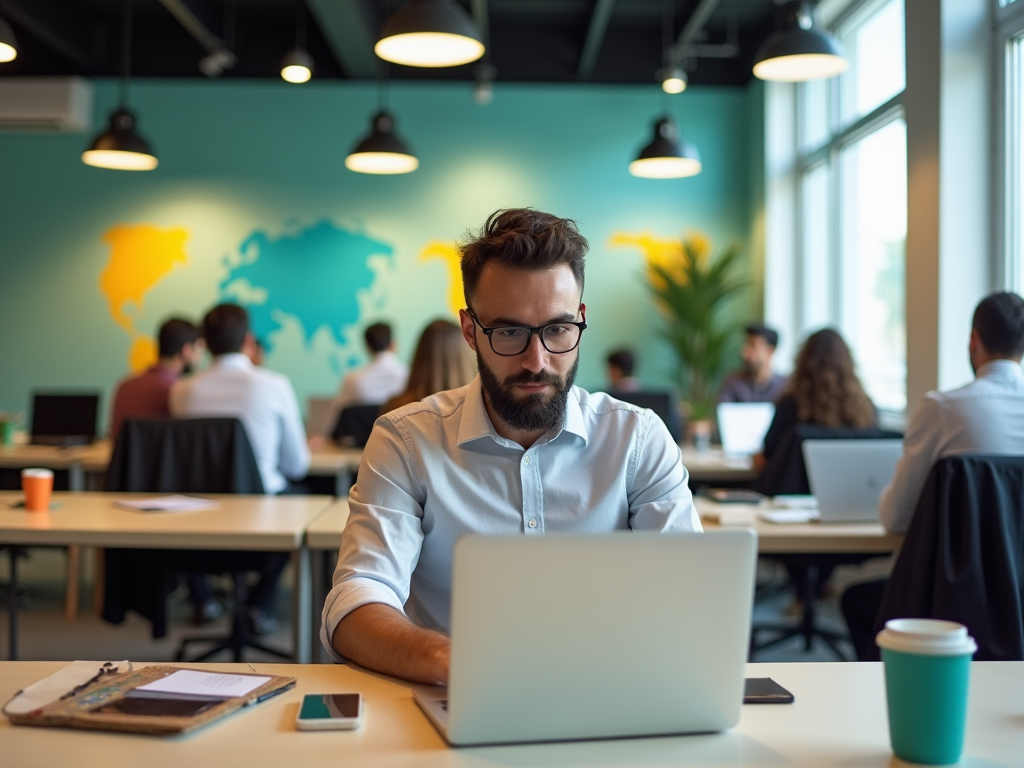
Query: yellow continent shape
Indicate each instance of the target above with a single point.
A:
(449, 255)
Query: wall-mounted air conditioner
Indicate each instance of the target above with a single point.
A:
(52, 104)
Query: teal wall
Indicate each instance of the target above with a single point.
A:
(244, 158)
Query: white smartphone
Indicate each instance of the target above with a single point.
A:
(330, 712)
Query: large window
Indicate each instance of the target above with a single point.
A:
(1010, 45)
(852, 211)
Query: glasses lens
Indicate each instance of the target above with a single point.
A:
(560, 338)
(509, 341)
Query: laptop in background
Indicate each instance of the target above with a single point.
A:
(551, 643)
(318, 409)
(847, 476)
(64, 419)
(742, 426)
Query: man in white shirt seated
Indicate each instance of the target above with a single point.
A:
(265, 403)
(983, 417)
(519, 450)
(375, 383)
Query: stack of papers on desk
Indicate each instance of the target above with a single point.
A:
(167, 504)
(792, 508)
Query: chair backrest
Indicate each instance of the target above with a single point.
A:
(785, 472)
(183, 456)
(318, 410)
(662, 403)
(963, 555)
(354, 425)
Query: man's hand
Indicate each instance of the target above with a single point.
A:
(378, 637)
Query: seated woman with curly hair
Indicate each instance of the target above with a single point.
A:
(823, 389)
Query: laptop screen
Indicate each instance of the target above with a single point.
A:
(65, 415)
(743, 426)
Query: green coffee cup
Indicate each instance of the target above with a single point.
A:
(927, 674)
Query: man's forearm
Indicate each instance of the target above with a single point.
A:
(378, 637)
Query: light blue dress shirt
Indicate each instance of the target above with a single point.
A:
(436, 470)
(985, 416)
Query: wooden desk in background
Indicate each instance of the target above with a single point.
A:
(263, 523)
(837, 721)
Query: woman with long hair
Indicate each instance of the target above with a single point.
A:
(823, 390)
(442, 361)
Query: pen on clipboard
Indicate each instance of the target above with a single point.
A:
(272, 694)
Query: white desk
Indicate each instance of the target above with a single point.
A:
(264, 523)
(838, 721)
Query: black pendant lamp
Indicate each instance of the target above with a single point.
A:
(671, 75)
(120, 147)
(382, 152)
(795, 51)
(297, 65)
(430, 33)
(668, 156)
(8, 43)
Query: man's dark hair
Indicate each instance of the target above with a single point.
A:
(378, 337)
(623, 359)
(175, 334)
(224, 329)
(522, 238)
(770, 335)
(999, 321)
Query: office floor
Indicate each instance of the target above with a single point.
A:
(44, 634)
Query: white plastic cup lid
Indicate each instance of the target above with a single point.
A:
(44, 473)
(927, 637)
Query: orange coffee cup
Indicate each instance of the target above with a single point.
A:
(37, 485)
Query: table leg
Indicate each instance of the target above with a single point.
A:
(71, 582)
(302, 606)
(12, 604)
(343, 482)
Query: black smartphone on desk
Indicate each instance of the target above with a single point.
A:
(764, 690)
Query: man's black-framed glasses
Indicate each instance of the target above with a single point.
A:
(510, 340)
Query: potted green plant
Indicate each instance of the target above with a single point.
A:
(8, 425)
(693, 289)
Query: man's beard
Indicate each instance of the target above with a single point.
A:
(532, 412)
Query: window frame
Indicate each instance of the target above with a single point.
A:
(1008, 123)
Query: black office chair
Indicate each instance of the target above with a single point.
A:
(785, 473)
(662, 403)
(354, 425)
(183, 456)
(963, 556)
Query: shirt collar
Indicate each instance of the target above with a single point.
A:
(476, 424)
(235, 360)
(1002, 369)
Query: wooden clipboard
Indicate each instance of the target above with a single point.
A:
(78, 711)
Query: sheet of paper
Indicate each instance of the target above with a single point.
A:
(175, 503)
(51, 688)
(783, 516)
(192, 683)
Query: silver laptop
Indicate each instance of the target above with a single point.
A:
(847, 476)
(580, 637)
(742, 426)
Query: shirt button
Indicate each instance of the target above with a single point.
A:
(526, 460)
(533, 523)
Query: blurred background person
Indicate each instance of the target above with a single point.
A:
(755, 382)
(442, 361)
(621, 365)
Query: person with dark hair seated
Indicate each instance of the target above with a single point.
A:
(823, 390)
(621, 367)
(265, 403)
(383, 378)
(983, 417)
(146, 394)
(756, 382)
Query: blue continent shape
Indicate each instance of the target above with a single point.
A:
(314, 275)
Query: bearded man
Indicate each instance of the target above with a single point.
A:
(519, 450)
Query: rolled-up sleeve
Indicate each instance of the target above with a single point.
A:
(659, 489)
(381, 543)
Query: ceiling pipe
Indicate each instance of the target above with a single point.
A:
(684, 43)
(219, 57)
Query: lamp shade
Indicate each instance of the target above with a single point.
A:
(297, 66)
(667, 156)
(673, 79)
(796, 52)
(382, 152)
(120, 147)
(8, 43)
(430, 33)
